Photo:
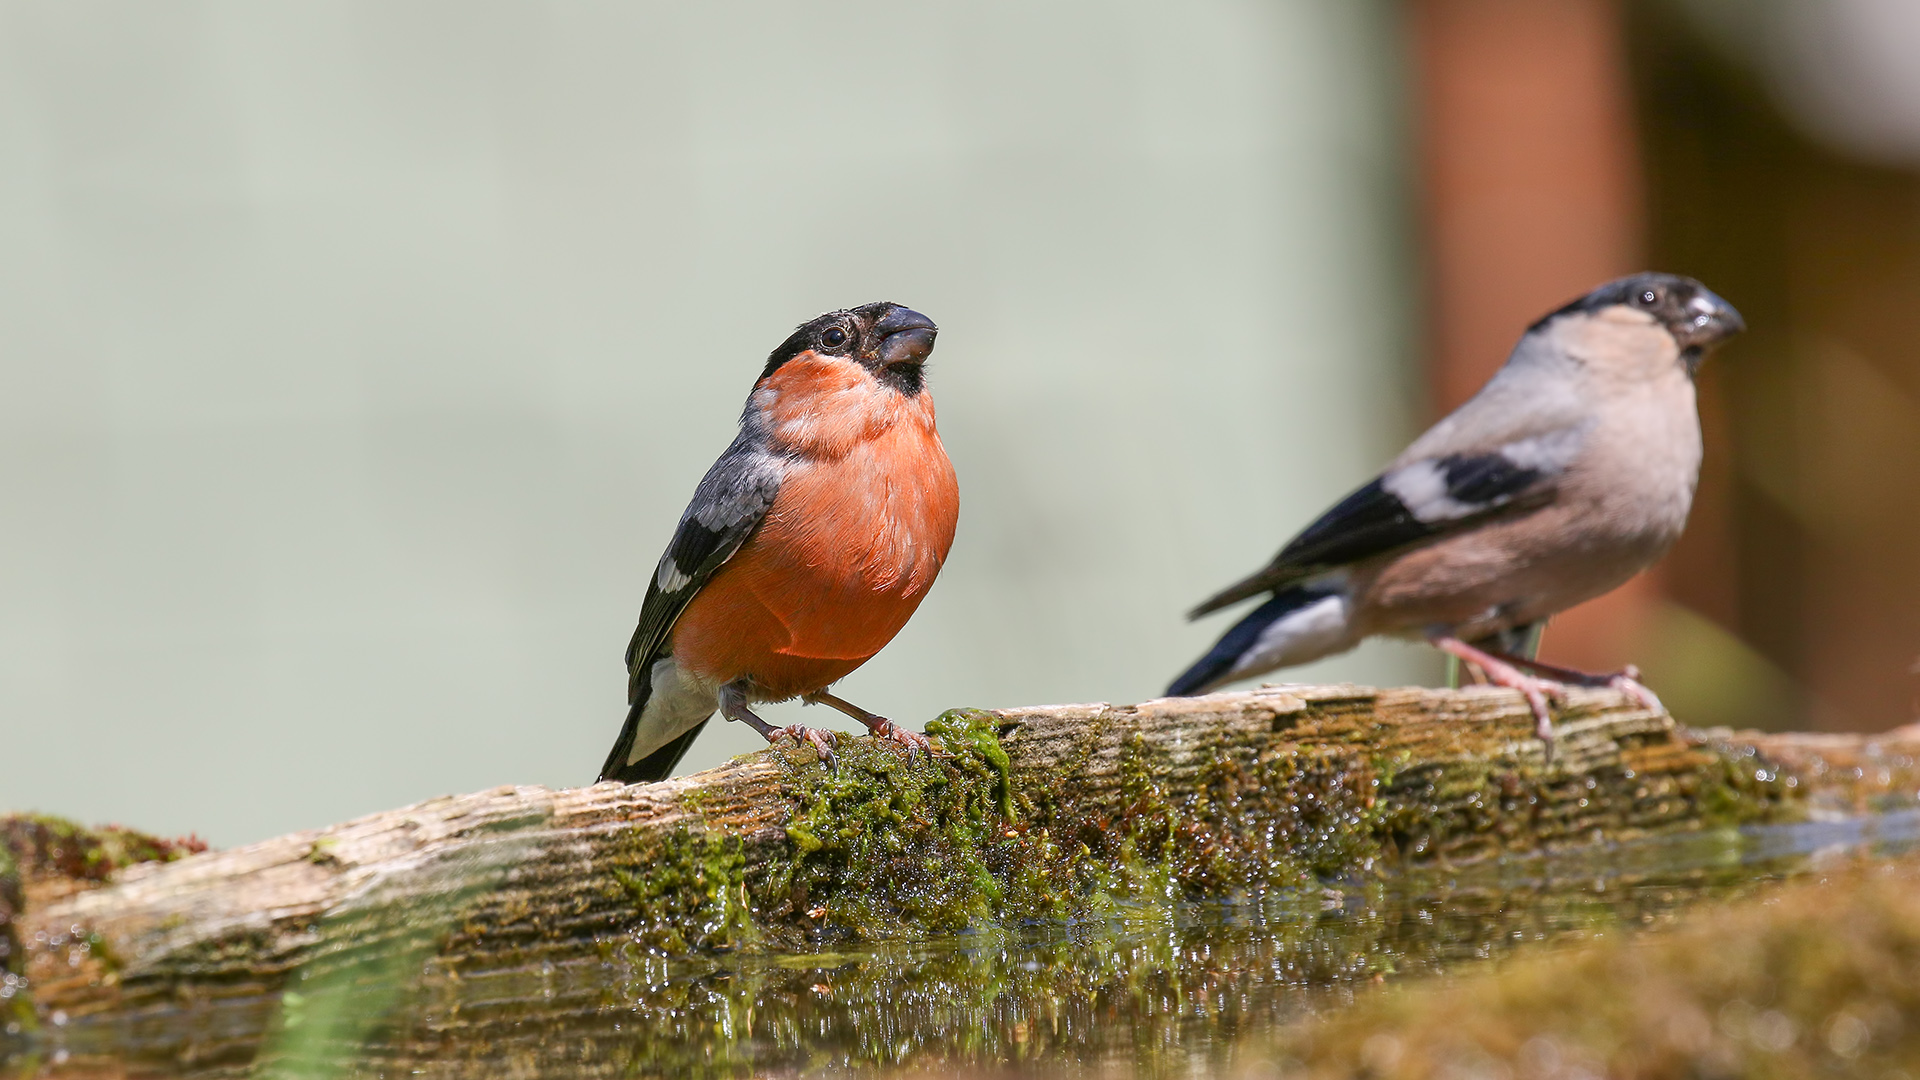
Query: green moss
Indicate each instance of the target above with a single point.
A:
(43, 846)
(695, 799)
(1818, 978)
(889, 840)
(1250, 826)
(1138, 993)
(891, 845)
(1066, 886)
(1737, 786)
(38, 848)
(688, 892)
(886, 846)
(974, 731)
(321, 851)
(14, 1009)
(12, 904)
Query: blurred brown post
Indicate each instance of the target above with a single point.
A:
(1531, 190)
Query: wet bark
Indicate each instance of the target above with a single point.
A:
(1201, 796)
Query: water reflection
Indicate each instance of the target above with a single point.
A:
(1155, 991)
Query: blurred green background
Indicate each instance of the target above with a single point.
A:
(356, 359)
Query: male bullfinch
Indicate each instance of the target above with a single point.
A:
(806, 548)
(1569, 472)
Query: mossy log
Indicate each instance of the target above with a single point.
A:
(1821, 979)
(1020, 814)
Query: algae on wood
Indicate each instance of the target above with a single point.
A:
(1822, 979)
(1029, 813)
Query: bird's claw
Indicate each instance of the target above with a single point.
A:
(1538, 693)
(822, 741)
(1500, 671)
(915, 742)
(1628, 682)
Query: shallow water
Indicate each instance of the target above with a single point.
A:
(1155, 990)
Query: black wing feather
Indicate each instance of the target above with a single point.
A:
(1367, 522)
(1373, 521)
(1487, 481)
(730, 503)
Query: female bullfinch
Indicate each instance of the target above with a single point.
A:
(1571, 471)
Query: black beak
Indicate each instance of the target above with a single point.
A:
(1710, 321)
(906, 337)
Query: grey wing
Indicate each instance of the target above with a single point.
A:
(730, 503)
(1414, 501)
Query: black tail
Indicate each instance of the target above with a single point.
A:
(655, 766)
(1220, 660)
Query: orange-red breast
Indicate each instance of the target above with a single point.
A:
(805, 549)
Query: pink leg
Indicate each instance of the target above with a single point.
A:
(1501, 673)
(880, 726)
(821, 740)
(1626, 680)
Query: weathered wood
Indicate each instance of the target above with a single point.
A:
(1030, 812)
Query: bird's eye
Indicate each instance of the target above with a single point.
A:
(1648, 297)
(834, 337)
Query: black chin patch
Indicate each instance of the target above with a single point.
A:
(908, 379)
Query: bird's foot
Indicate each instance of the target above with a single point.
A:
(1499, 672)
(1627, 681)
(733, 706)
(880, 726)
(1538, 692)
(821, 740)
(915, 742)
